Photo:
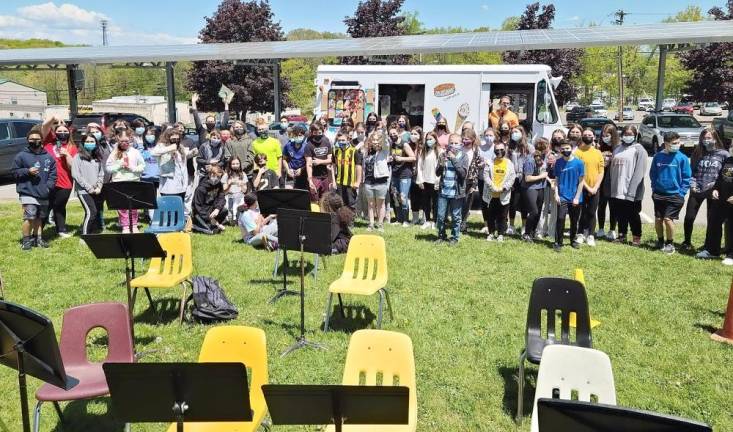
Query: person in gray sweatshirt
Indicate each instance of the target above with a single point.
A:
(628, 167)
(88, 174)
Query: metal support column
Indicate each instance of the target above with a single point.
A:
(660, 77)
(170, 91)
(276, 90)
(73, 96)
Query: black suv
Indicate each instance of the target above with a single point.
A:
(578, 113)
(105, 120)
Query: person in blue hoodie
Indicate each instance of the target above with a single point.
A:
(670, 177)
(569, 173)
(34, 171)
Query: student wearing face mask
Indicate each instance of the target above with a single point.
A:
(504, 131)
(452, 169)
(499, 175)
(722, 196)
(211, 153)
(402, 159)
(88, 174)
(707, 161)
(318, 160)
(294, 159)
(442, 132)
(348, 170)
(268, 146)
(486, 153)
(118, 127)
(416, 143)
(235, 184)
(172, 158)
(470, 142)
(548, 219)
(568, 186)
(372, 123)
(628, 168)
(575, 134)
(427, 180)
(358, 136)
(282, 132)
(593, 163)
(376, 178)
(609, 141)
(34, 171)
(670, 179)
(152, 170)
(503, 114)
(203, 130)
(60, 145)
(209, 204)
(264, 178)
(240, 145)
(138, 132)
(518, 150)
(534, 182)
(126, 164)
(403, 127)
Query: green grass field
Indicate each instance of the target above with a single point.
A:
(464, 308)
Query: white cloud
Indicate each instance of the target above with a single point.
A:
(485, 7)
(72, 24)
(574, 18)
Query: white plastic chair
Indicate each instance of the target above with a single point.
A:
(568, 368)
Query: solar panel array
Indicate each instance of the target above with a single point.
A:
(580, 37)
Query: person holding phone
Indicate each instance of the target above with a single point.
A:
(126, 164)
(60, 145)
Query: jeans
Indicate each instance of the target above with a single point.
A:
(533, 200)
(267, 232)
(402, 207)
(549, 213)
(564, 209)
(455, 206)
(589, 209)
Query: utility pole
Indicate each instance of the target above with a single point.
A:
(105, 41)
(620, 14)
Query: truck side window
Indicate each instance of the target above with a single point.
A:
(546, 112)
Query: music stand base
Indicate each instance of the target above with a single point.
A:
(302, 342)
(280, 294)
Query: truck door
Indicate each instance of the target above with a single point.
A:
(484, 104)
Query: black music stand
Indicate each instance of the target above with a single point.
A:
(308, 232)
(337, 404)
(128, 195)
(577, 416)
(127, 247)
(178, 392)
(269, 202)
(28, 344)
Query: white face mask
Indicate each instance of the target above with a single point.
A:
(627, 139)
(607, 139)
(674, 148)
(489, 139)
(516, 136)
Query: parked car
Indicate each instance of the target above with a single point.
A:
(668, 104)
(577, 113)
(711, 109)
(724, 105)
(595, 123)
(724, 126)
(599, 110)
(570, 105)
(105, 120)
(297, 119)
(654, 125)
(645, 104)
(628, 114)
(684, 108)
(275, 127)
(13, 134)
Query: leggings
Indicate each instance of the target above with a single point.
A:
(693, 206)
(719, 213)
(533, 200)
(429, 201)
(415, 197)
(57, 200)
(515, 204)
(604, 202)
(589, 209)
(563, 210)
(484, 204)
(627, 213)
(467, 204)
(497, 213)
(92, 206)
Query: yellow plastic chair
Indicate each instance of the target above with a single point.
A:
(580, 277)
(169, 272)
(386, 353)
(247, 345)
(365, 273)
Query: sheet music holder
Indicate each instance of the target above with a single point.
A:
(577, 416)
(128, 195)
(179, 392)
(28, 344)
(269, 202)
(127, 247)
(337, 404)
(308, 232)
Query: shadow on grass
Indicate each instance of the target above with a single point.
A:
(291, 328)
(706, 327)
(510, 377)
(428, 237)
(78, 418)
(166, 311)
(356, 317)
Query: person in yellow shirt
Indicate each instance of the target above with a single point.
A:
(267, 145)
(499, 175)
(592, 159)
(503, 113)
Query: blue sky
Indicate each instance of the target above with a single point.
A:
(168, 22)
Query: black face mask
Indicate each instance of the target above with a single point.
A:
(316, 138)
(588, 140)
(500, 153)
(556, 143)
(210, 126)
(35, 144)
(62, 136)
(504, 131)
(175, 141)
(120, 129)
(567, 153)
(371, 122)
(238, 132)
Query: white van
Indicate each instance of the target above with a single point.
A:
(460, 93)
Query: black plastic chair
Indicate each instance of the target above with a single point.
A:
(555, 296)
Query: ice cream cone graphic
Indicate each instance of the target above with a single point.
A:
(463, 111)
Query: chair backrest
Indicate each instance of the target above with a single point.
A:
(366, 259)
(178, 259)
(80, 320)
(315, 207)
(556, 298)
(239, 344)
(381, 357)
(570, 372)
(170, 213)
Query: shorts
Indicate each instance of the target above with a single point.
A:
(667, 206)
(376, 190)
(33, 208)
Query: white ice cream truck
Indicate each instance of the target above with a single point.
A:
(460, 93)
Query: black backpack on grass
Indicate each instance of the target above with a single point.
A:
(210, 304)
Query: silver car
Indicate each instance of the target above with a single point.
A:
(13, 134)
(654, 126)
(711, 109)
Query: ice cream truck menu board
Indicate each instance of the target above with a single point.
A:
(343, 103)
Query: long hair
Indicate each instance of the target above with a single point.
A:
(165, 139)
(376, 141)
(436, 147)
(609, 129)
(522, 147)
(231, 172)
(700, 150)
(87, 155)
(71, 136)
(406, 119)
(470, 134)
(417, 146)
(155, 132)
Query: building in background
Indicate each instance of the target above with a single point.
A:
(20, 101)
(153, 108)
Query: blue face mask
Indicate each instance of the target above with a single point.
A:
(139, 130)
(89, 146)
(150, 139)
(215, 141)
(298, 140)
(97, 135)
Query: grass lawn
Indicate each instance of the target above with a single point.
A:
(463, 307)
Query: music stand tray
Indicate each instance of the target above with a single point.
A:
(28, 344)
(578, 416)
(337, 404)
(179, 392)
(128, 195)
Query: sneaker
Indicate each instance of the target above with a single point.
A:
(405, 224)
(500, 238)
(580, 238)
(135, 230)
(432, 225)
(600, 233)
(686, 246)
(575, 245)
(659, 244)
(557, 247)
(590, 241)
(728, 261)
(370, 228)
(380, 228)
(669, 250)
(636, 241)
(704, 255)
(453, 242)
(527, 238)
(484, 230)
(125, 230)
(426, 225)
(41, 243)
(26, 244)
(64, 235)
(611, 235)
(539, 236)
(510, 230)
(490, 237)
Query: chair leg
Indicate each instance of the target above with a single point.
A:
(183, 302)
(389, 304)
(520, 388)
(37, 416)
(59, 412)
(328, 311)
(379, 314)
(150, 300)
(277, 264)
(341, 305)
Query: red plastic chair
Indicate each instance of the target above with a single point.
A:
(78, 322)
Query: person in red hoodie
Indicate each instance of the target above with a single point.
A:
(58, 143)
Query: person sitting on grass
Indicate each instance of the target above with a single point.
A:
(568, 185)
(235, 185)
(342, 219)
(34, 171)
(209, 204)
(257, 230)
(264, 177)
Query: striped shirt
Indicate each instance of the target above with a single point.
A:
(346, 161)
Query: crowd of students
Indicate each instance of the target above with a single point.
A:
(373, 169)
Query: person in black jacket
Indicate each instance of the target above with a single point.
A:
(721, 213)
(209, 204)
(34, 171)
